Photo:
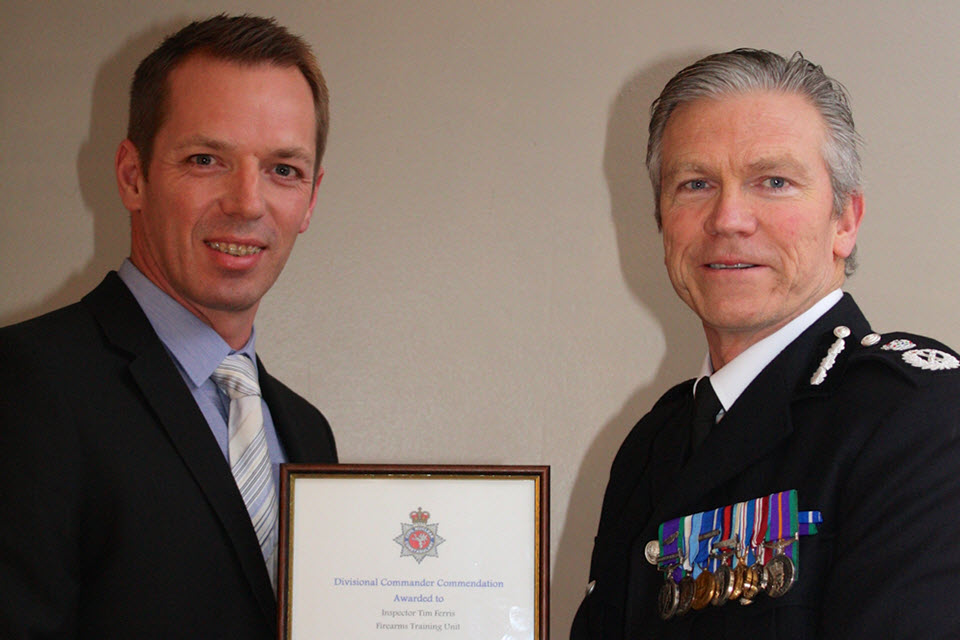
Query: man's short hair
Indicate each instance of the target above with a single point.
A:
(242, 39)
(745, 70)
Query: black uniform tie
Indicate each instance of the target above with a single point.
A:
(706, 406)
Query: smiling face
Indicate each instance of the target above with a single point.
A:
(750, 237)
(231, 185)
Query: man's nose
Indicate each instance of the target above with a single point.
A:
(244, 195)
(732, 213)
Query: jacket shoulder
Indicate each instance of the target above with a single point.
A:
(49, 333)
(919, 359)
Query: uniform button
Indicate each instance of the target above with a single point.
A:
(870, 339)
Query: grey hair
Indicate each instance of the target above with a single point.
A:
(745, 70)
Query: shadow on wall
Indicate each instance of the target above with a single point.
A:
(641, 263)
(98, 186)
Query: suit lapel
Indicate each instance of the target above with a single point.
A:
(302, 430)
(155, 374)
(289, 429)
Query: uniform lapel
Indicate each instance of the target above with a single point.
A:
(671, 447)
(156, 376)
(757, 423)
(749, 431)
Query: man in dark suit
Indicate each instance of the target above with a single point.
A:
(756, 175)
(125, 513)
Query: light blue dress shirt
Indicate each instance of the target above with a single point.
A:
(197, 350)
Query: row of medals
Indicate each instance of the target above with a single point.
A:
(740, 584)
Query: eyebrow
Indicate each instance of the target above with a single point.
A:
(680, 167)
(198, 140)
(295, 153)
(785, 163)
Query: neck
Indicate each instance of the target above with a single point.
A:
(725, 347)
(233, 325)
(234, 331)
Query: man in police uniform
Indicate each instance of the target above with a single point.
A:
(756, 176)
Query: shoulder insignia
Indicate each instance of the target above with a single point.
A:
(930, 359)
(830, 359)
(914, 355)
(898, 345)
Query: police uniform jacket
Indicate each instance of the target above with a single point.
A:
(875, 447)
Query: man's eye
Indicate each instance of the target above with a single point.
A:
(286, 171)
(202, 159)
(776, 182)
(696, 185)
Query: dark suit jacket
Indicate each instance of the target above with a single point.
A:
(119, 517)
(875, 448)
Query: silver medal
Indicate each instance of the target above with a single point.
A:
(652, 551)
(781, 574)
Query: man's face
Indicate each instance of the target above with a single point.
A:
(230, 185)
(750, 237)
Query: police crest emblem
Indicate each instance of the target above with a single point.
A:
(419, 539)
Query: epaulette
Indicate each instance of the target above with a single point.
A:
(916, 357)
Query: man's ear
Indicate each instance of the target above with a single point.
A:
(847, 226)
(313, 201)
(130, 176)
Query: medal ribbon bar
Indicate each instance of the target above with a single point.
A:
(754, 531)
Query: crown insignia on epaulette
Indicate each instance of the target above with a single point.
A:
(898, 345)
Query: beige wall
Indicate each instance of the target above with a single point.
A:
(482, 281)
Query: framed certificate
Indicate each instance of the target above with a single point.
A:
(389, 551)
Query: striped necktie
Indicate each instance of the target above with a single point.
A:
(249, 458)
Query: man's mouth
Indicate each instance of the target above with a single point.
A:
(739, 265)
(234, 249)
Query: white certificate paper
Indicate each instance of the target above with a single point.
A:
(383, 552)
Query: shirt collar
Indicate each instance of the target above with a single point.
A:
(731, 380)
(196, 347)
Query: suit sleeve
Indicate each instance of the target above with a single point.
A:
(896, 571)
(40, 487)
